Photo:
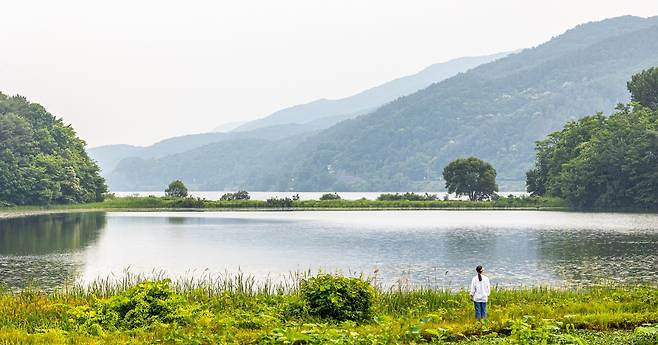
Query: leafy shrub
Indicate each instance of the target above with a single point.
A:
(530, 330)
(646, 335)
(176, 189)
(279, 202)
(407, 196)
(330, 196)
(143, 305)
(338, 298)
(189, 202)
(239, 195)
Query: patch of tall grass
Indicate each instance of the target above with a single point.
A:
(237, 308)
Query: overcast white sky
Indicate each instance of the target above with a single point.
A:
(139, 71)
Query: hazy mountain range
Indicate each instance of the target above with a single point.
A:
(495, 111)
(291, 121)
(368, 100)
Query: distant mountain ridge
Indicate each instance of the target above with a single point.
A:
(109, 156)
(294, 120)
(368, 100)
(494, 111)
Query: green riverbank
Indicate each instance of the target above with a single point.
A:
(235, 310)
(183, 204)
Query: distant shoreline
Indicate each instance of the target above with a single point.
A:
(9, 213)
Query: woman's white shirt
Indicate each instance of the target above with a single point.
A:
(480, 290)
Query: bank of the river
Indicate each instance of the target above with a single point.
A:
(187, 204)
(235, 311)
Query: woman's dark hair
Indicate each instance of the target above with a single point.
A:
(479, 271)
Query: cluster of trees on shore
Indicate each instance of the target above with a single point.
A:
(605, 162)
(42, 161)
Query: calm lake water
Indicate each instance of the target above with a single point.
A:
(436, 248)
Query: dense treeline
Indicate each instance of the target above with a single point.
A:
(605, 162)
(42, 161)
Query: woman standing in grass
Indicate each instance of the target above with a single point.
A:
(480, 290)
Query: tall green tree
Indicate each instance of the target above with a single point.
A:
(472, 177)
(644, 88)
(42, 161)
(557, 149)
(176, 189)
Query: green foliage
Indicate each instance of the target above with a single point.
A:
(599, 162)
(189, 202)
(407, 196)
(644, 88)
(330, 196)
(472, 177)
(647, 334)
(279, 202)
(239, 195)
(144, 305)
(558, 149)
(529, 330)
(338, 298)
(42, 161)
(237, 311)
(176, 189)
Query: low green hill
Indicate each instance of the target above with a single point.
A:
(42, 161)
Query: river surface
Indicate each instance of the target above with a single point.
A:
(428, 248)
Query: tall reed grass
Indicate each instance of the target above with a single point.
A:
(238, 308)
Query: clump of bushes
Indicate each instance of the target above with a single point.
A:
(239, 195)
(407, 196)
(145, 304)
(279, 202)
(189, 202)
(330, 196)
(338, 298)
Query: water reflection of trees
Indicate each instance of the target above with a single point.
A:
(46, 234)
(591, 256)
(45, 250)
(177, 220)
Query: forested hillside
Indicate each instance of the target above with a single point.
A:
(295, 120)
(495, 111)
(108, 157)
(369, 100)
(42, 161)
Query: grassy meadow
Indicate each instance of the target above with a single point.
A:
(237, 310)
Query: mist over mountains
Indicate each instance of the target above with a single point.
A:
(495, 111)
(334, 111)
(295, 120)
